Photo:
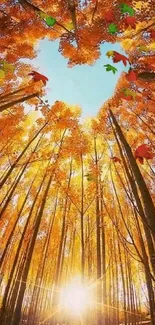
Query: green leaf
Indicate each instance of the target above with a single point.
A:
(2, 74)
(50, 21)
(112, 29)
(126, 9)
(110, 67)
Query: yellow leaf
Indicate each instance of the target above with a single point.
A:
(144, 48)
(69, 26)
(2, 74)
(140, 4)
(152, 46)
(8, 67)
(128, 44)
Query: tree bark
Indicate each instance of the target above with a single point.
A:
(146, 197)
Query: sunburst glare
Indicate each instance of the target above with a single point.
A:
(75, 298)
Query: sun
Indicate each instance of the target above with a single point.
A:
(75, 298)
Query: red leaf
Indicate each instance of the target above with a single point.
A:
(152, 33)
(144, 151)
(131, 76)
(119, 57)
(130, 21)
(109, 16)
(116, 159)
(36, 76)
(126, 97)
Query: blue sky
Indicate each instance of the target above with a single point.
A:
(87, 86)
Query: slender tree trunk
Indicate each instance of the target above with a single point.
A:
(21, 155)
(36, 297)
(82, 222)
(18, 309)
(146, 197)
(17, 313)
(103, 248)
(123, 282)
(7, 289)
(147, 273)
(7, 96)
(98, 239)
(134, 192)
(17, 181)
(15, 224)
(17, 101)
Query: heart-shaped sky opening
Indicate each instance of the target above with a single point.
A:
(83, 85)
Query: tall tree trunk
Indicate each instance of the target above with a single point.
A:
(17, 101)
(21, 155)
(134, 192)
(146, 197)
(82, 222)
(104, 288)
(123, 282)
(15, 224)
(18, 180)
(7, 289)
(18, 309)
(17, 313)
(98, 239)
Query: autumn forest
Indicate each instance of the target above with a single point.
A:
(77, 214)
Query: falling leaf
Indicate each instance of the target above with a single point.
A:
(140, 5)
(151, 46)
(128, 44)
(109, 16)
(110, 53)
(130, 21)
(126, 9)
(152, 33)
(2, 74)
(69, 25)
(37, 77)
(8, 67)
(112, 29)
(131, 76)
(129, 94)
(117, 57)
(42, 15)
(50, 21)
(109, 67)
(126, 97)
(143, 48)
(89, 177)
(116, 159)
(144, 151)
